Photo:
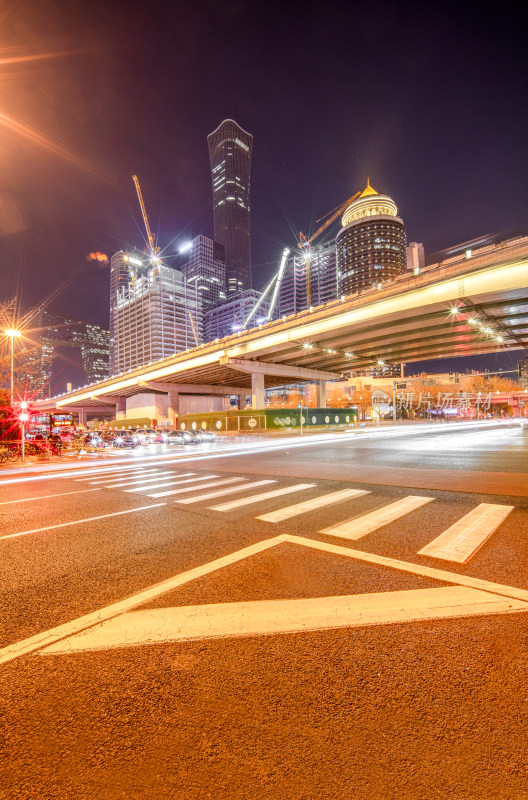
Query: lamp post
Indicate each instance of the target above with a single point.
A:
(13, 334)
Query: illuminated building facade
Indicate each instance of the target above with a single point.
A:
(205, 267)
(230, 155)
(415, 257)
(122, 266)
(323, 279)
(155, 315)
(48, 359)
(228, 318)
(522, 372)
(371, 245)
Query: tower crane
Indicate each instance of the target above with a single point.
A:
(154, 251)
(305, 242)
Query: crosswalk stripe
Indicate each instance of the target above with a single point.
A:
(462, 540)
(169, 482)
(310, 505)
(101, 470)
(117, 476)
(221, 492)
(194, 488)
(149, 477)
(357, 527)
(255, 498)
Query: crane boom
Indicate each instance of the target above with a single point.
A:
(304, 242)
(150, 237)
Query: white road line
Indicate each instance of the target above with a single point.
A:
(80, 521)
(115, 474)
(357, 527)
(187, 480)
(147, 478)
(309, 505)
(462, 540)
(245, 501)
(46, 497)
(46, 638)
(197, 488)
(269, 617)
(221, 492)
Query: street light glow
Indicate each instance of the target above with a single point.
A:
(12, 332)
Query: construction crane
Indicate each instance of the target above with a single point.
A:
(154, 250)
(194, 330)
(305, 243)
(133, 263)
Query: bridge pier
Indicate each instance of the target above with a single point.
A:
(320, 394)
(174, 406)
(242, 402)
(257, 390)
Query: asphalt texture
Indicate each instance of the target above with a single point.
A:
(422, 709)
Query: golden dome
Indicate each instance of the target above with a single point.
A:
(368, 190)
(369, 203)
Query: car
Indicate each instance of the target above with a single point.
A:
(157, 437)
(177, 437)
(124, 439)
(93, 439)
(143, 434)
(208, 436)
(195, 436)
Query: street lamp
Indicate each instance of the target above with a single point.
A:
(13, 334)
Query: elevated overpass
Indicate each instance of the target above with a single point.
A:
(467, 305)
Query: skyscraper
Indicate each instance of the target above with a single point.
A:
(205, 266)
(156, 314)
(371, 245)
(323, 279)
(230, 155)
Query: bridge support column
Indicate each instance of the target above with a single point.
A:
(174, 406)
(257, 390)
(120, 407)
(320, 394)
(242, 402)
(82, 416)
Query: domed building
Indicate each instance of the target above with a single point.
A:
(371, 245)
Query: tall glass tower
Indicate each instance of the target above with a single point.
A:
(230, 154)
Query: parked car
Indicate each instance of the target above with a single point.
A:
(177, 437)
(92, 439)
(124, 439)
(196, 436)
(208, 436)
(143, 434)
(157, 437)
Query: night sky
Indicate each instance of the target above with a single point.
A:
(429, 101)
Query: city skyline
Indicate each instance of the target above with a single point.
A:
(445, 143)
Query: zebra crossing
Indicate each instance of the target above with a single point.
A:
(457, 544)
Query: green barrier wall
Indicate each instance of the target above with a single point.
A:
(270, 419)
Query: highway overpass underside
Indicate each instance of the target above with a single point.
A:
(458, 308)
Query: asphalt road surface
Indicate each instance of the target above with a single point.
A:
(333, 617)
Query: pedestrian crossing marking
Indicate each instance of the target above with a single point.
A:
(231, 490)
(194, 488)
(309, 505)
(516, 600)
(357, 527)
(265, 617)
(111, 473)
(462, 540)
(256, 498)
(148, 476)
(176, 481)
